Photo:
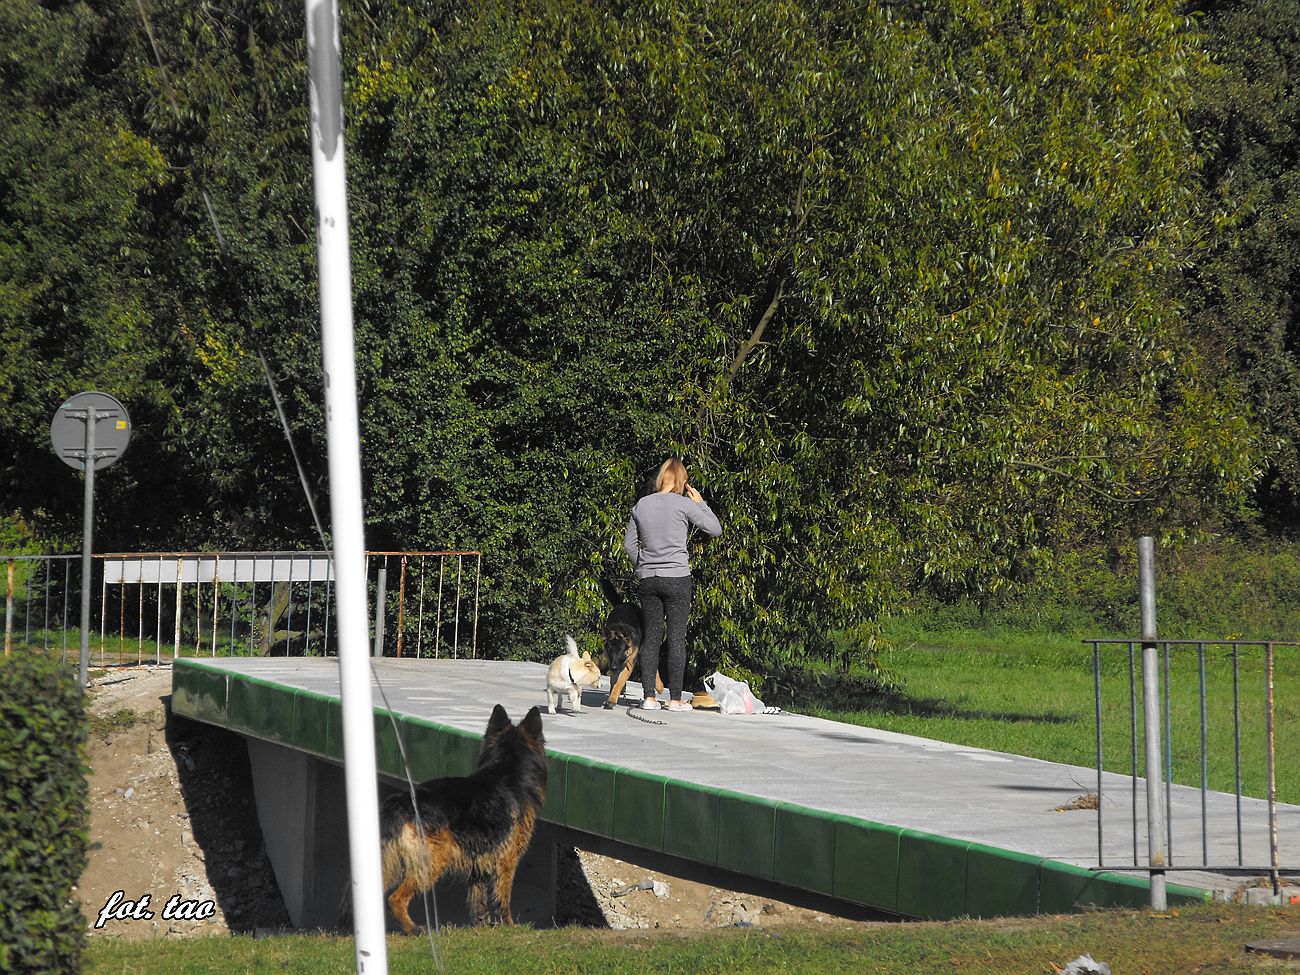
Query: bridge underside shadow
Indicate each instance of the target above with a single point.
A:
(303, 815)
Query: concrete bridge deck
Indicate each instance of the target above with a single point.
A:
(890, 822)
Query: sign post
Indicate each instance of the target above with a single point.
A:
(89, 432)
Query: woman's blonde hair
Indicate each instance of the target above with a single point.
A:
(672, 476)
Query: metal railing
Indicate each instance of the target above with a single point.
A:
(161, 605)
(1209, 824)
(26, 575)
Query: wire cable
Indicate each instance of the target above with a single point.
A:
(223, 251)
(439, 961)
(435, 930)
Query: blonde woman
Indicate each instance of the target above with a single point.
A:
(655, 541)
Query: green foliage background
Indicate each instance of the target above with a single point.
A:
(907, 286)
(1246, 283)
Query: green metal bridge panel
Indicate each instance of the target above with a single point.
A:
(804, 852)
(1181, 894)
(458, 751)
(866, 863)
(556, 787)
(420, 739)
(316, 726)
(691, 822)
(746, 834)
(199, 694)
(589, 796)
(1064, 888)
(639, 809)
(265, 710)
(388, 756)
(1000, 883)
(931, 876)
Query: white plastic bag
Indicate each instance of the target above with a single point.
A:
(733, 696)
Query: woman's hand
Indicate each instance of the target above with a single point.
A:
(694, 495)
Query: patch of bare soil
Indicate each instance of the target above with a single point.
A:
(172, 817)
(597, 891)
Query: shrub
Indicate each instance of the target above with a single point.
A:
(42, 816)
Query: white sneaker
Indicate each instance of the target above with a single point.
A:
(650, 704)
(678, 706)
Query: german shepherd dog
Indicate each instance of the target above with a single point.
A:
(622, 633)
(477, 826)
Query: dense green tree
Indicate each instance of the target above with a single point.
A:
(915, 255)
(895, 281)
(73, 266)
(1247, 284)
(504, 346)
(220, 94)
(499, 344)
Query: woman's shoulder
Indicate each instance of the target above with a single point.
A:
(662, 501)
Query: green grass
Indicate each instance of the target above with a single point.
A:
(119, 649)
(1032, 694)
(104, 726)
(1208, 940)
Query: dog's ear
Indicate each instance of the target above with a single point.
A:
(499, 720)
(532, 723)
(586, 655)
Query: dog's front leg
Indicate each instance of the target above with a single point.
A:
(575, 699)
(629, 661)
(478, 898)
(505, 881)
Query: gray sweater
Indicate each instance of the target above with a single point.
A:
(656, 534)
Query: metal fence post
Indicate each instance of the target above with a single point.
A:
(9, 610)
(401, 607)
(380, 596)
(180, 585)
(1272, 776)
(1151, 722)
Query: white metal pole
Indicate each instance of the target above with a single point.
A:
(346, 522)
(1151, 722)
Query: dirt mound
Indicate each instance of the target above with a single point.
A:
(171, 816)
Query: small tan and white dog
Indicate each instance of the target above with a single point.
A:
(569, 674)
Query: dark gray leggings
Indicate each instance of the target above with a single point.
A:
(665, 596)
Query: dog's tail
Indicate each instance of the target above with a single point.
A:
(613, 595)
(405, 857)
(571, 644)
(401, 854)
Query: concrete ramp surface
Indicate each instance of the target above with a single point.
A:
(889, 822)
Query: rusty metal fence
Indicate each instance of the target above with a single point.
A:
(1205, 829)
(156, 606)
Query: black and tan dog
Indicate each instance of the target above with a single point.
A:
(622, 633)
(477, 826)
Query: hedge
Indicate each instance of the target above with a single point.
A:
(43, 815)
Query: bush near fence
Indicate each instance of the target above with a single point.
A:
(43, 815)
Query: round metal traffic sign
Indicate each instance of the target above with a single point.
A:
(112, 429)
